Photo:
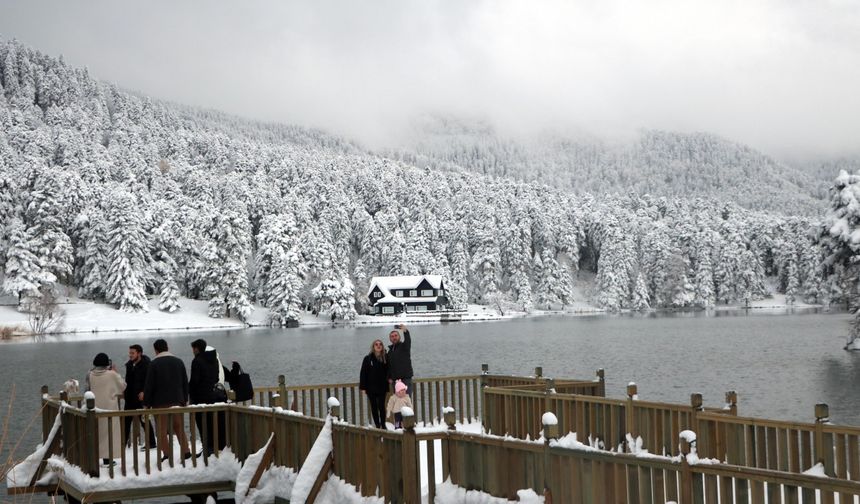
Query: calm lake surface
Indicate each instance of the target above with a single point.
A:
(780, 363)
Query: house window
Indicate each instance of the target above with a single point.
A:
(427, 293)
(441, 292)
(377, 294)
(387, 310)
(398, 293)
(375, 310)
(421, 308)
(413, 293)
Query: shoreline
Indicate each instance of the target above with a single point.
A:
(196, 320)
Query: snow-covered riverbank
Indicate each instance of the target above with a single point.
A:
(88, 320)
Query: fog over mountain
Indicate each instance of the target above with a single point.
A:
(658, 163)
(779, 77)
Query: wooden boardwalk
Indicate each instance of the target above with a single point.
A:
(626, 450)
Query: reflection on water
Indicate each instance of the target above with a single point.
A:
(781, 363)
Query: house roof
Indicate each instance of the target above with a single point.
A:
(388, 283)
(399, 300)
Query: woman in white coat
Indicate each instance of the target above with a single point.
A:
(108, 386)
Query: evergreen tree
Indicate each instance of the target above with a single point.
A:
(24, 274)
(284, 288)
(227, 274)
(168, 300)
(94, 255)
(126, 260)
(639, 300)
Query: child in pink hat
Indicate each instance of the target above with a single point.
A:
(396, 403)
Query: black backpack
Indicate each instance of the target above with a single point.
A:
(240, 382)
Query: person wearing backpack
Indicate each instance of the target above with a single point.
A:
(240, 383)
(206, 386)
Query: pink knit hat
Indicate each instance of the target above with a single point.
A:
(399, 385)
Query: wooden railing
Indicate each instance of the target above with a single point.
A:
(753, 457)
(388, 463)
(429, 395)
(742, 441)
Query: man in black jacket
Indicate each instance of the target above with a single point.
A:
(167, 386)
(400, 358)
(135, 379)
(206, 374)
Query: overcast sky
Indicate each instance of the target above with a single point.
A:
(781, 76)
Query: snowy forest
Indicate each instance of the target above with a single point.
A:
(119, 197)
(659, 163)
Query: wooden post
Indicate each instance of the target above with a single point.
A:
(696, 405)
(411, 481)
(92, 439)
(550, 433)
(822, 453)
(601, 387)
(282, 391)
(732, 402)
(686, 473)
(450, 417)
(46, 422)
(549, 390)
(629, 417)
(485, 411)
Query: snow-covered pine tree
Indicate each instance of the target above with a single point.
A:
(704, 296)
(44, 216)
(839, 235)
(126, 259)
(24, 275)
(343, 303)
(168, 300)
(284, 288)
(485, 260)
(639, 297)
(94, 254)
(458, 259)
(227, 274)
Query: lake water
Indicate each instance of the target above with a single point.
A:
(780, 363)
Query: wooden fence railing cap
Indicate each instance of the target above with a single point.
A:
(333, 407)
(696, 401)
(822, 413)
(450, 417)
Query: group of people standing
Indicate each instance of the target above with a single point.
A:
(381, 370)
(161, 382)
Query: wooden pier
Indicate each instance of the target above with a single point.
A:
(694, 454)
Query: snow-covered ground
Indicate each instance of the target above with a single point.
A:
(90, 320)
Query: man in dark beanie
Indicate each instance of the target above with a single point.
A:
(167, 386)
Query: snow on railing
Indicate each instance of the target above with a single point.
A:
(312, 465)
(22, 474)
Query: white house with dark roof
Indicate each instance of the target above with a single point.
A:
(412, 294)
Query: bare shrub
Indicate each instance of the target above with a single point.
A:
(45, 315)
(9, 332)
